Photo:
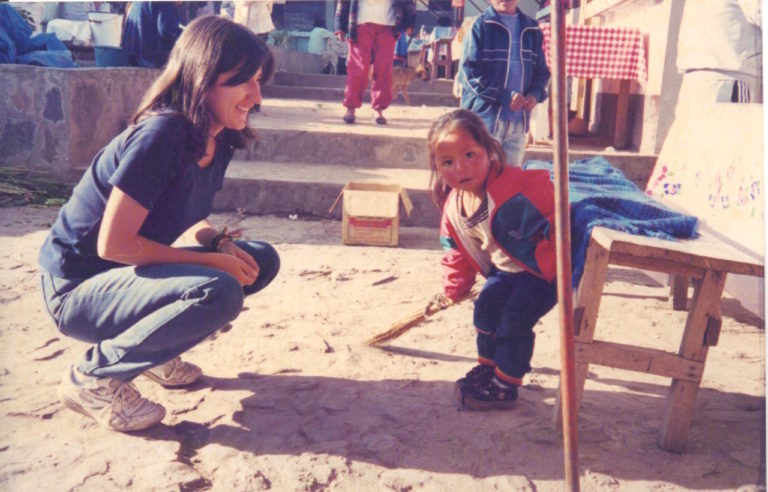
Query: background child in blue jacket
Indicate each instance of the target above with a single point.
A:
(504, 74)
(497, 221)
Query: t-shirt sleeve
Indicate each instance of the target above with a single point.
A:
(152, 159)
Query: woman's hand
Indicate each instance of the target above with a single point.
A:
(230, 248)
(235, 266)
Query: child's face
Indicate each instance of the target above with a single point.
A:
(505, 6)
(462, 162)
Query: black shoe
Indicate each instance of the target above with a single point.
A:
(486, 395)
(480, 372)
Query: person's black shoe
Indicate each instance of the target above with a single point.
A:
(480, 372)
(486, 395)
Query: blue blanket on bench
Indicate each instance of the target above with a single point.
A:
(17, 45)
(600, 195)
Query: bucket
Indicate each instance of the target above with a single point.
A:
(109, 56)
(106, 28)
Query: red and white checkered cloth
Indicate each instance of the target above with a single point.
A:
(601, 52)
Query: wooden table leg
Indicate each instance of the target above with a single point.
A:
(621, 128)
(679, 291)
(585, 314)
(681, 396)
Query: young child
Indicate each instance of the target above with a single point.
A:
(497, 221)
(504, 74)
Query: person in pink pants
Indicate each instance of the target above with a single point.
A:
(370, 28)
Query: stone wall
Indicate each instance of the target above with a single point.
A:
(288, 60)
(55, 120)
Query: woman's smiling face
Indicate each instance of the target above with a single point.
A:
(229, 104)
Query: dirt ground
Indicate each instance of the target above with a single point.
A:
(294, 400)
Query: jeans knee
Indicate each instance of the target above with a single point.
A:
(223, 295)
(271, 264)
(268, 260)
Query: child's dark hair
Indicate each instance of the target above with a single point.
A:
(472, 124)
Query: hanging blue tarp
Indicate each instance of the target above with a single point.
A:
(17, 45)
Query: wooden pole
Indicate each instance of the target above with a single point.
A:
(563, 243)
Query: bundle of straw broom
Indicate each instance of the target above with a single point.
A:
(438, 303)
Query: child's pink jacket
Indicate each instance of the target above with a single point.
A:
(521, 207)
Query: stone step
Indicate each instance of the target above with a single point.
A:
(292, 85)
(312, 132)
(307, 153)
(312, 80)
(301, 188)
(416, 97)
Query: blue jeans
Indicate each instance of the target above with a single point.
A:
(513, 137)
(140, 317)
(506, 311)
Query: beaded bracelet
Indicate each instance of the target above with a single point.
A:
(218, 238)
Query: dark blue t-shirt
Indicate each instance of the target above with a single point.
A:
(152, 163)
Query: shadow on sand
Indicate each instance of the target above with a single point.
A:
(415, 424)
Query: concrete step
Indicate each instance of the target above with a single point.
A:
(291, 85)
(301, 188)
(434, 86)
(307, 153)
(312, 132)
(337, 94)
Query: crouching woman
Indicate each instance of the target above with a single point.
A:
(110, 275)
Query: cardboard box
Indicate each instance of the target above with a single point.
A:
(371, 213)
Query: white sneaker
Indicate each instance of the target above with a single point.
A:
(175, 372)
(112, 403)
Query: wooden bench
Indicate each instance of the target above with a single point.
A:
(706, 261)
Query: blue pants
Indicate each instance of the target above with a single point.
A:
(513, 138)
(507, 309)
(140, 317)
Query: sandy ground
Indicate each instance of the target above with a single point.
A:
(293, 399)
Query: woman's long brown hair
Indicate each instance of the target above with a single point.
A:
(208, 47)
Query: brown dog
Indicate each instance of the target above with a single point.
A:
(402, 76)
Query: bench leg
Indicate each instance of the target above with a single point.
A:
(681, 396)
(679, 292)
(585, 315)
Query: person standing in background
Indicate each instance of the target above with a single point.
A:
(370, 28)
(401, 47)
(256, 15)
(150, 31)
(504, 74)
(724, 64)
